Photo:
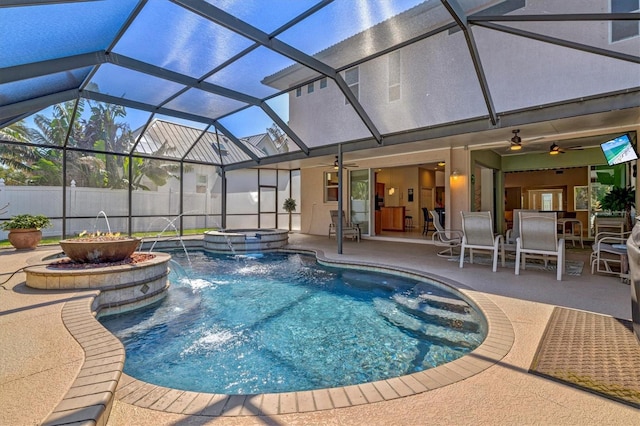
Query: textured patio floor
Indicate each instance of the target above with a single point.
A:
(593, 352)
(40, 359)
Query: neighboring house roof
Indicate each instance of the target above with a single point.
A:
(174, 141)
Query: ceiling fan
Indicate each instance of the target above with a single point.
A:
(515, 143)
(554, 149)
(344, 165)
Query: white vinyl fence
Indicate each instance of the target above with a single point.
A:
(90, 202)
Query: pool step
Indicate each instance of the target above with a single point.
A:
(421, 309)
(435, 333)
(446, 303)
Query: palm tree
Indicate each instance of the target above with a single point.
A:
(16, 156)
(104, 132)
(157, 171)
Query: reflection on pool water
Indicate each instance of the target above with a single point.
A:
(282, 322)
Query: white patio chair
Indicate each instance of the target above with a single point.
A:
(609, 254)
(512, 234)
(449, 238)
(539, 237)
(477, 229)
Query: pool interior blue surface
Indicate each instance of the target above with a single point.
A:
(281, 322)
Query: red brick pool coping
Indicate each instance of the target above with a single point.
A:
(100, 379)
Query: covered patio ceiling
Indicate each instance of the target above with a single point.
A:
(228, 69)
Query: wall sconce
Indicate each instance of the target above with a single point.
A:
(455, 173)
(392, 191)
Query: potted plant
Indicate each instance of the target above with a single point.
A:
(289, 206)
(620, 199)
(99, 247)
(25, 230)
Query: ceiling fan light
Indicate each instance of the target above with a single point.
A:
(554, 149)
(516, 147)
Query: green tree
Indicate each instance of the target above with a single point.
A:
(620, 199)
(103, 131)
(14, 156)
(157, 171)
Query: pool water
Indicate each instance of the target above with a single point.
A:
(282, 322)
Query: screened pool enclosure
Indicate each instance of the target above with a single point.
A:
(199, 114)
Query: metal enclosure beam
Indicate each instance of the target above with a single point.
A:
(461, 19)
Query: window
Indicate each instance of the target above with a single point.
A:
(310, 88)
(201, 183)
(323, 83)
(394, 76)
(222, 150)
(352, 78)
(298, 92)
(330, 186)
(622, 30)
(546, 199)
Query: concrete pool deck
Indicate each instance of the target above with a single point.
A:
(40, 359)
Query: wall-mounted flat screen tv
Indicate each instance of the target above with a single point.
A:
(619, 150)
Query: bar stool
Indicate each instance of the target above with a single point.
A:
(408, 222)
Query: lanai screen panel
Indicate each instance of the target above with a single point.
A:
(207, 104)
(242, 191)
(179, 135)
(169, 140)
(613, 36)
(159, 184)
(247, 74)
(105, 127)
(252, 122)
(336, 34)
(548, 72)
(205, 149)
(335, 125)
(179, 40)
(268, 16)
(43, 32)
(49, 126)
(133, 85)
(228, 150)
(426, 83)
(21, 90)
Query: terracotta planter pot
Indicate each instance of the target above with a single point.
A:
(25, 239)
(98, 251)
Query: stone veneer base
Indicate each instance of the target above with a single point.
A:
(243, 240)
(122, 287)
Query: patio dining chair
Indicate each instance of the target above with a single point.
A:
(609, 254)
(449, 238)
(512, 234)
(349, 230)
(427, 221)
(539, 237)
(477, 230)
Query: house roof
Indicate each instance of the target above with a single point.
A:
(229, 67)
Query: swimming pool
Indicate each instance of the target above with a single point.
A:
(282, 322)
